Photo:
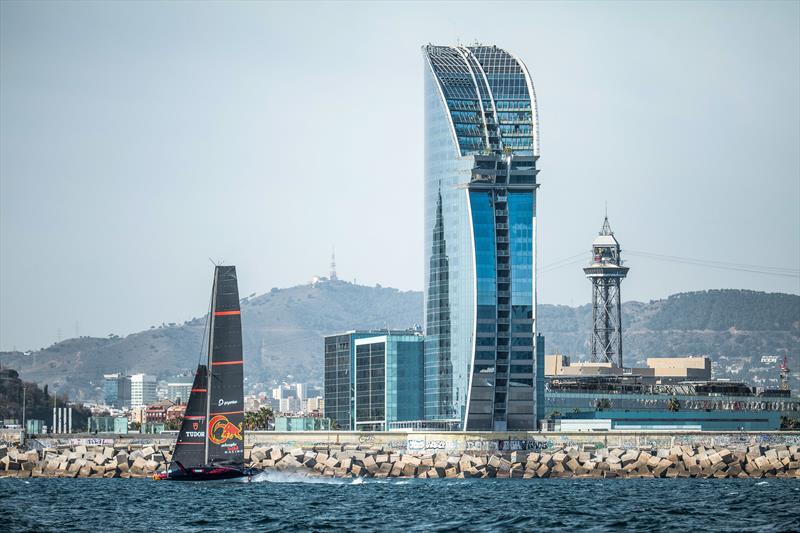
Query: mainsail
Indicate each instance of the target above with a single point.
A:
(190, 446)
(225, 400)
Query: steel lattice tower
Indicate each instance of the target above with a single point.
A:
(606, 274)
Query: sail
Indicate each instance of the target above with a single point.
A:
(190, 446)
(225, 431)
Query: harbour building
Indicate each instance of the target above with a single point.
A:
(481, 152)
(373, 379)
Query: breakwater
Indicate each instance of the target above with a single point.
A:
(377, 461)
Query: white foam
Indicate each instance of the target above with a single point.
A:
(294, 477)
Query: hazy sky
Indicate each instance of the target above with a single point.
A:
(138, 140)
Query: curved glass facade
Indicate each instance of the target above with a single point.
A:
(481, 147)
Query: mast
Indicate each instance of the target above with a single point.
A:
(209, 361)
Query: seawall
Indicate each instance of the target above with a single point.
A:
(433, 455)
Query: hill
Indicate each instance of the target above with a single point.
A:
(283, 332)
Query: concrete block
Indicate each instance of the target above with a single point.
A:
(370, 464)
(519, 457)
(411, 460)
(408, 470)
(630, 457)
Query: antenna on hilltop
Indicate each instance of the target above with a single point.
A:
(333, 275)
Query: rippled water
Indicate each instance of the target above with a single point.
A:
(281, 503)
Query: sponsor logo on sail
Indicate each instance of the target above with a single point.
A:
(195, 433)
(195, 425)
(227, 402)
(221, 430)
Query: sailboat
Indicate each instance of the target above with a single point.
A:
(210, 445)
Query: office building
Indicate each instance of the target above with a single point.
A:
(117, 390)
(143, 390)
(373, 378)
(179, 391)
(388, 380)
(481, 152)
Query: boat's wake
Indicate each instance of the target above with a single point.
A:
(296, 477)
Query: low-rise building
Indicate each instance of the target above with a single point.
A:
(302, 423)
(157, 412)
(175, 412)
(658, 370)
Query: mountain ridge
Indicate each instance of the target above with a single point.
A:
(283, 331)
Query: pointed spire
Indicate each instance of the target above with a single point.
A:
(606, 227)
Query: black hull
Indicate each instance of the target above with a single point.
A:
(216, 473)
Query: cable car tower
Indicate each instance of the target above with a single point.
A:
(606, 274)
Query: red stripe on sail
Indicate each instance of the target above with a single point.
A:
(227, 363)
(226, 313)
(229, 413)
(194, 417)
(199, 390)
(195, 443)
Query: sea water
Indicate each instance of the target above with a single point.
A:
(286, 502)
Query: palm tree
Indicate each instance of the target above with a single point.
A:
(254, 420)
(673, 404)
(602, 403)
(174, 424)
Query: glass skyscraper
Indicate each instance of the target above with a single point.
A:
(481, 148)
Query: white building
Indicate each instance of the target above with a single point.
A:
(143, 390)
(178, 392)
(290, 405)
(314, 404)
